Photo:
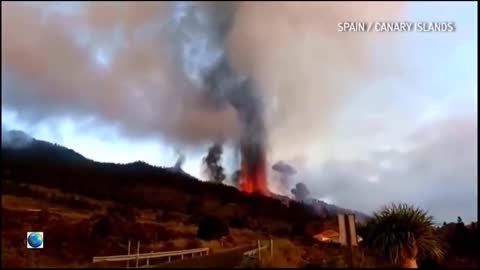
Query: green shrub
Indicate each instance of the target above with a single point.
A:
(238, 222)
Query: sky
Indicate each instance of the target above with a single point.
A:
(365, 118)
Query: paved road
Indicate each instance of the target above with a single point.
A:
(223, 259)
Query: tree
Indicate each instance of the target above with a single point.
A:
(210, 228)
(403, 234)
(102, 227)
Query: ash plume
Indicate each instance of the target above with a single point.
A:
(144, 67)
(285, 172)
(301, 192)
(110, 62)
(235, 178)
(213, 164)
(204, 28)
(126, 63)
(180, 160)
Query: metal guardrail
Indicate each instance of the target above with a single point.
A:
(256, 252)
(140, 256)
(169, 254)
(253, 252)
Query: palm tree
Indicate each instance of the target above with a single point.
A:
(404, 234)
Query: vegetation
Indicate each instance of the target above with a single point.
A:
(68, 200)
(403, 234)
(286, 254)
(211, 228)
(102, 227)
(461, 243)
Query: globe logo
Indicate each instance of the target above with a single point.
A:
(35, 240)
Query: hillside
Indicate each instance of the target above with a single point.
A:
(54, 161)
(47, 187)
(139, 184)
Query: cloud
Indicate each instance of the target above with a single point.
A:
(439, 173)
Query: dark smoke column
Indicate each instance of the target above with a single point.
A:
(212, 161)
(240, 93)
(201, 29)
(252, 145)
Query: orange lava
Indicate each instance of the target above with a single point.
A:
(254, 179)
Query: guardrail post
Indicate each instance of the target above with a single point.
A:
(259, 251)
(128, 261)
(138, 252)
(148, 259)
(271, 247)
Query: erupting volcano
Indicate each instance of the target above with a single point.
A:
(204, 27)
(252, 145)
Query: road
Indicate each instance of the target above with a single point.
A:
(222, 259)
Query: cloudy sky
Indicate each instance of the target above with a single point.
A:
(366, 118)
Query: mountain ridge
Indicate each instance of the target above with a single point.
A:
(20, 146)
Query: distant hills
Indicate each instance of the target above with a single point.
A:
(17, 144)
(18, 147)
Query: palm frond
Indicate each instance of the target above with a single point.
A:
(401, 230)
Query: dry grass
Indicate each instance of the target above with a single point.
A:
(214, 245)
(286, 254)
(180, 227)
(62, 220)
(244, 236)
(52, 199)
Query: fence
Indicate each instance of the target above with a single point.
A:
(153, 255)
(179, 254)
(256, 252)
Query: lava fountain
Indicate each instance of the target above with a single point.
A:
(253, 177)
